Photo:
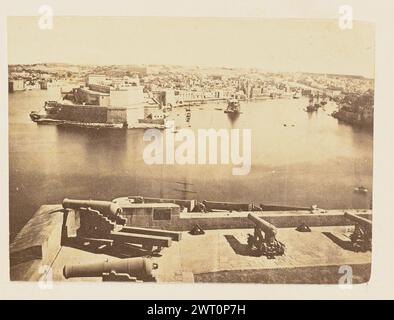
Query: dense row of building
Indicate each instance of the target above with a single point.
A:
(176, 85)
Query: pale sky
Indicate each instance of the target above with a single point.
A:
(274, 45)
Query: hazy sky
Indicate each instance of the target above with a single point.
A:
(274, 45)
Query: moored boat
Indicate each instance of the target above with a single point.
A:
(297, 95)
(311, 107)
(233, 106)
(361, 189)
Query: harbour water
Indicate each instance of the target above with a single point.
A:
(298, 158)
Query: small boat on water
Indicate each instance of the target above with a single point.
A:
(233, 106)
(361, 189)
(35, 116)
(188, 116)
(49, 121)
(317, 103)
(312, 106)
(219, 109)
(297, 95)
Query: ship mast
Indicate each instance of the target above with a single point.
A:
(185, 189)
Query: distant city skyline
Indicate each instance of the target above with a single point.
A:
(280, 45)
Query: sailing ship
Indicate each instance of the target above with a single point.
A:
(311, 107)
(233, 106)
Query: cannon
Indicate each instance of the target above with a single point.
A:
(265, 226)
(132, 269)
(108, 209)
(361, 237)
(101, 223)
(230, 206)
(266, 244)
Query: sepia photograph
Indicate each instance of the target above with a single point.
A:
(190, 149)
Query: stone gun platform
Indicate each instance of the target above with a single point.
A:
(219, 255)
(223, 256)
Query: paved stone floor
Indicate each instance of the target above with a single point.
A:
(219, 250)
(226, 250)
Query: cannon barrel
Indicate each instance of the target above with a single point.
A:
(262, 224)
(216, 205)
(365, 223)
(140, 268)
(103, 206)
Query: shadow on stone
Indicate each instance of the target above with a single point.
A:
(344, 244)
(240, 248)
(111, 249)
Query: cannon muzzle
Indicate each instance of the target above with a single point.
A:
(265, 226)
(102, 206)
(141, 268)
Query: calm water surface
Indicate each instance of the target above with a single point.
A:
(316, 161)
